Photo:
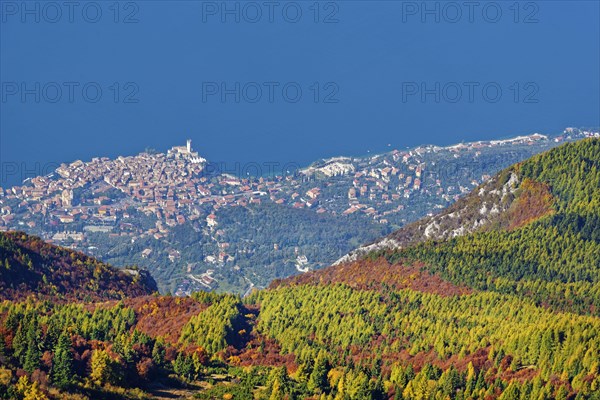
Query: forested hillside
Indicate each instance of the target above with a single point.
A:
(514, 197)
(124, 349)
(552, 257)
(496, 309)
(30, 266)
(507, 311)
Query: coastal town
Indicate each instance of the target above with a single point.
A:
(149, 195)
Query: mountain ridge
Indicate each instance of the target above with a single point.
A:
(504, 199)
(32, 267)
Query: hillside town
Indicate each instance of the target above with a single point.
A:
(150, 194)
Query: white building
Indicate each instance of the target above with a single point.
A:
(186, 152)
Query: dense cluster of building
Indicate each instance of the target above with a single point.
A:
(173, 188)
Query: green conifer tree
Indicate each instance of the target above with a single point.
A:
(62, 363)
(317, 382)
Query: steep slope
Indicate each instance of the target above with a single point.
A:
(31, 266)
(514, 197)
(532, 230)
(506, 308)
(485, 205)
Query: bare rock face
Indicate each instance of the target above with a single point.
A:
(486, 206)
